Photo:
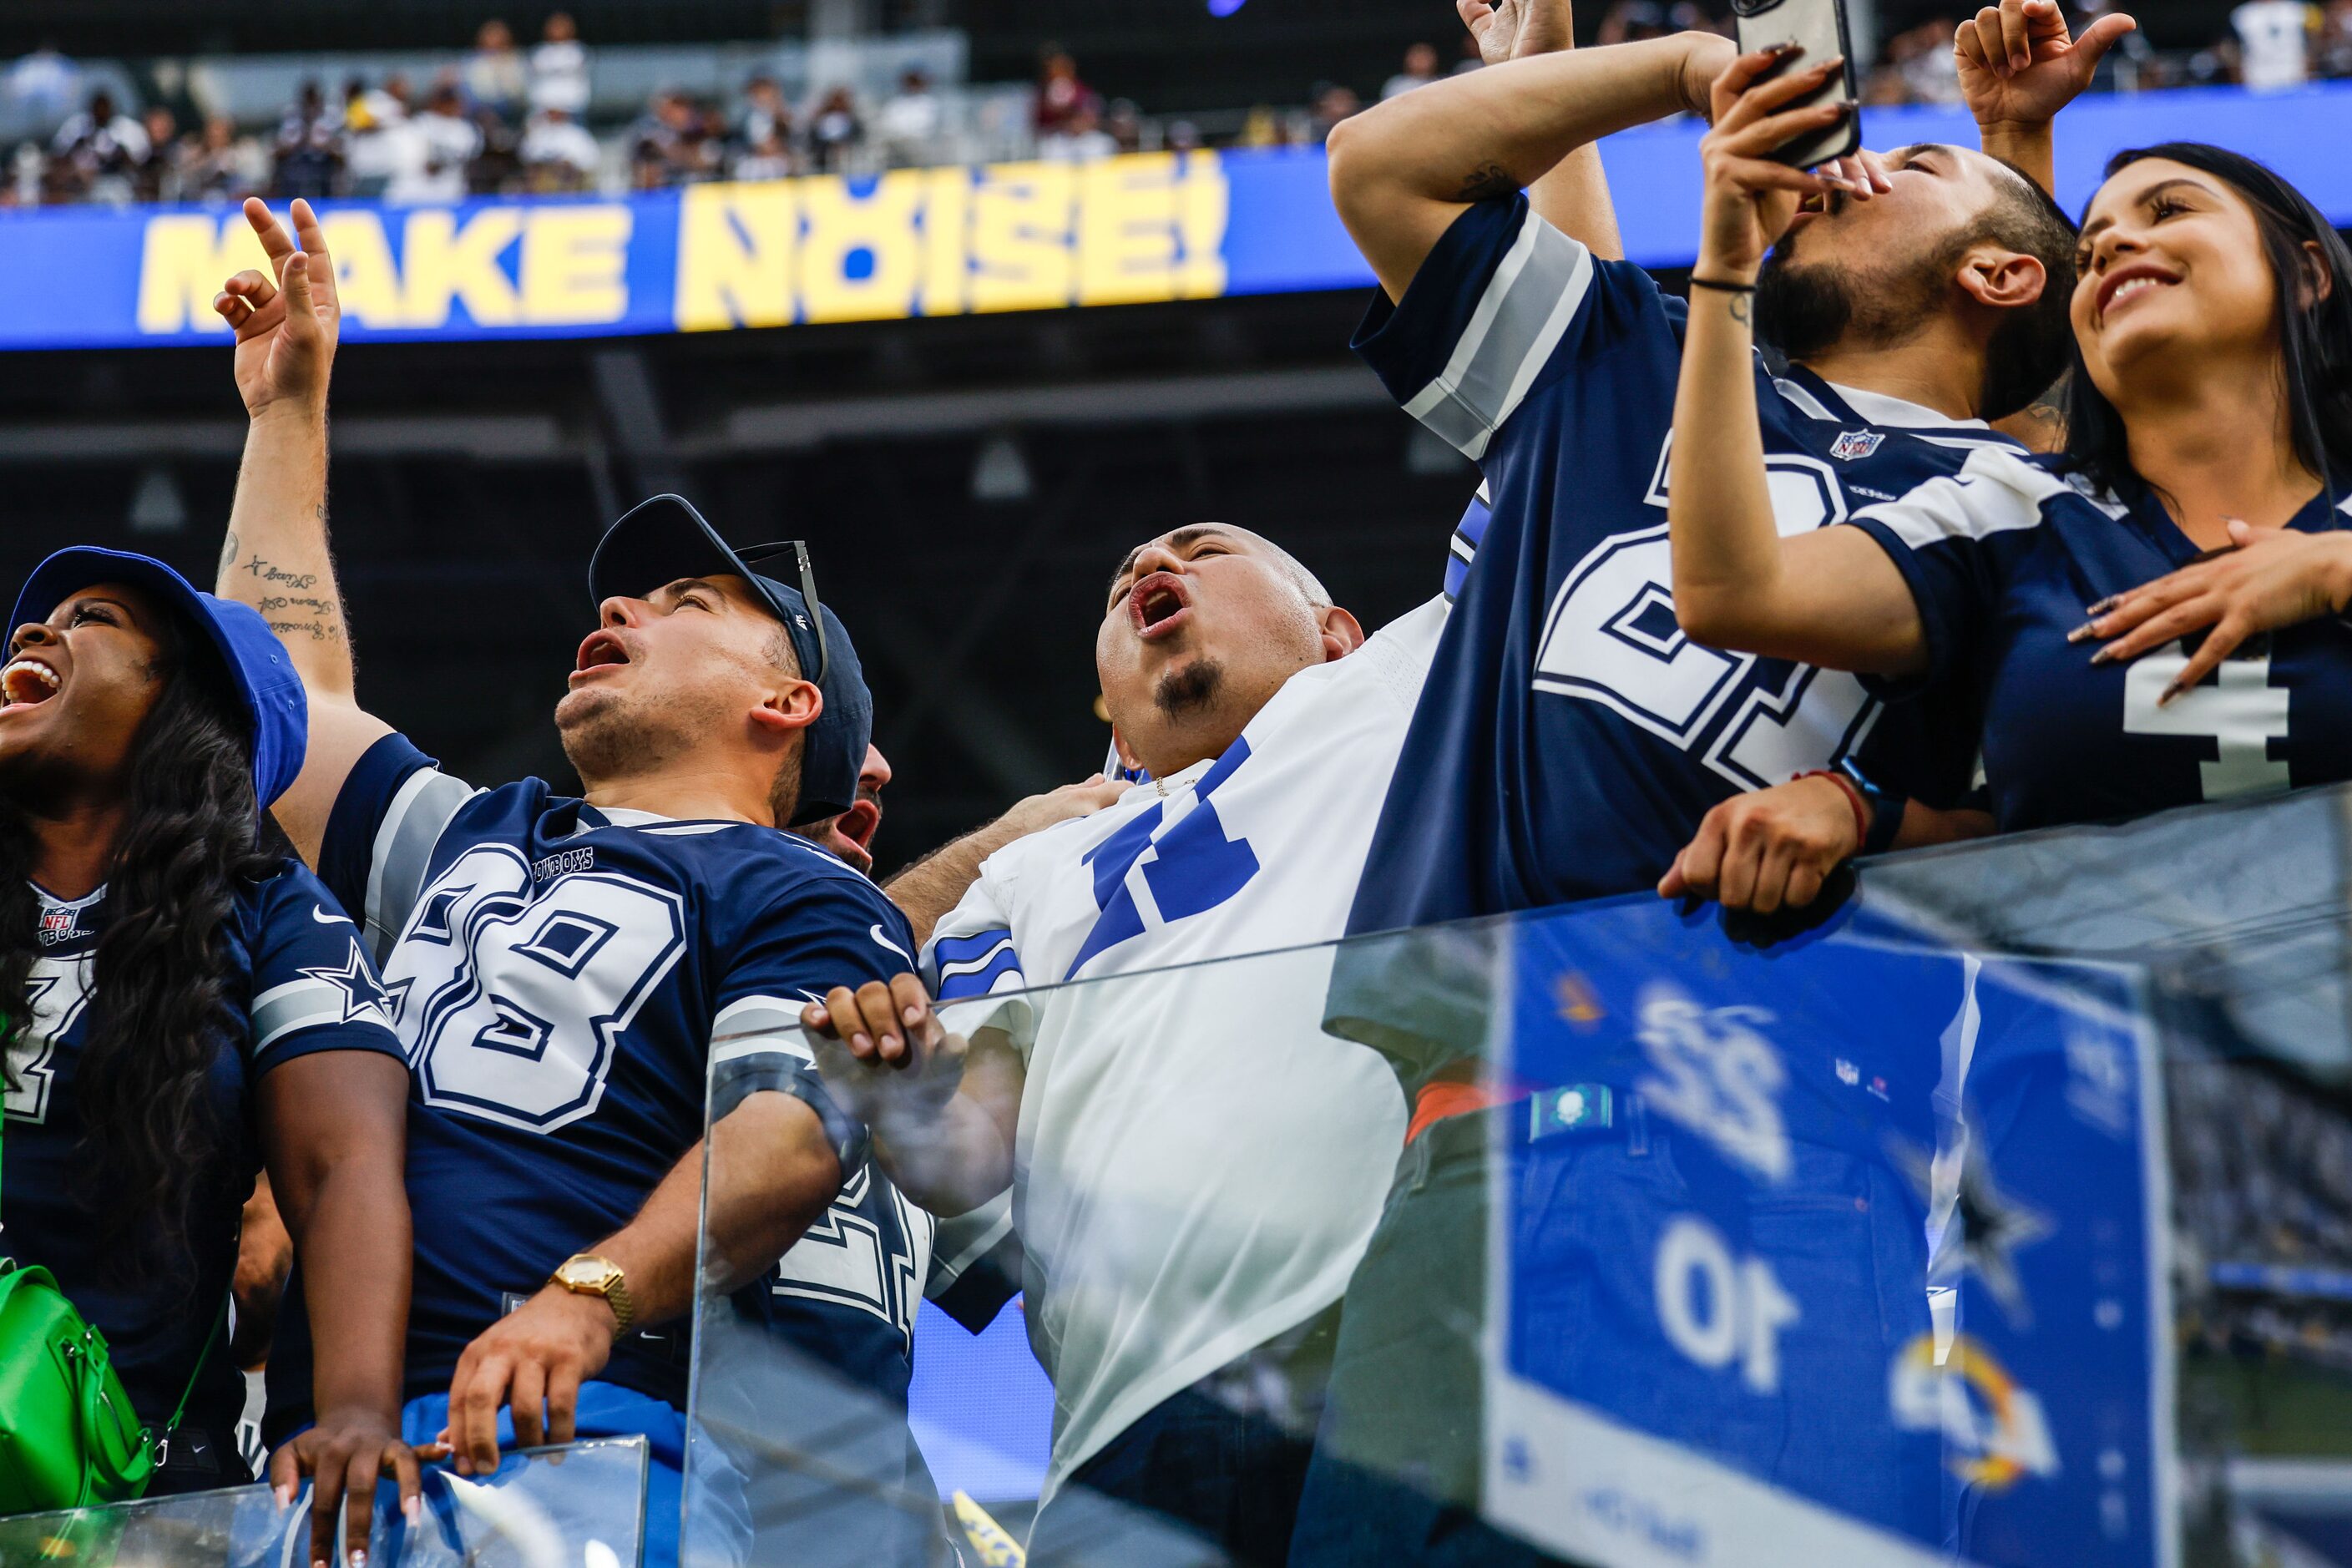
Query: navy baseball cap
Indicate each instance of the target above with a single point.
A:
(258, 665)
(660, 541)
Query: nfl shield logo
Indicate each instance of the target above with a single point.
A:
(58, 925)
(1853, 444)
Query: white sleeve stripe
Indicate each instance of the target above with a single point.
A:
(758, 1026)
(773, 1043)
(977, 962)
(1537, 289)
(1994, 493)
(420, 810)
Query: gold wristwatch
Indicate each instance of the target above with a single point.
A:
(586, 1274)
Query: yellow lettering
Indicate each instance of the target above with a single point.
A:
(1021, 236)
(860, 258)
(184, 259)
(446, 265)
(735, 247)
(1127, 230)
(575, 264)
(1203, 200)
(366, 281)
(947, 245)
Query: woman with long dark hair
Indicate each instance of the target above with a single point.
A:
(2151, 618)
(181, 1004)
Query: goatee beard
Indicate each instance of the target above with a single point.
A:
(1800, 310)
(1188, 690)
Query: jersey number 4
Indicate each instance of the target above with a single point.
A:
(511, 1000)
(1610, 637)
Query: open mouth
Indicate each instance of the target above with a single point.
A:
(859, 822)
(2129, 282)
(1819, 204)
(28, 682)
(602, 649)
(1159, 603)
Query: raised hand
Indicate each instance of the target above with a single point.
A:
(883, 1052)
(1750, 200)
(286, 322)
(1514, 29)
(2019, 65)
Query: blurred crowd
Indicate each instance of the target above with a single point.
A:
(511, 119)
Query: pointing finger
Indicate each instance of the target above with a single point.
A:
(275, 242)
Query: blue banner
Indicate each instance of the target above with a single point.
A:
(926, 242)
(1847, 1250)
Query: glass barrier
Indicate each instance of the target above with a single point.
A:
(1997, 1210)
(578, 1506)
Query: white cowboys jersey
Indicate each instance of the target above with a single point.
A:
(1198, 1165)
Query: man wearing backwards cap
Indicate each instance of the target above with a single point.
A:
(565, 973)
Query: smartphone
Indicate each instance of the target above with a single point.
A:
(1817, 29)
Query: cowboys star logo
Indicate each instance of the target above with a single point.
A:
(1982, 1227)
(363, 999)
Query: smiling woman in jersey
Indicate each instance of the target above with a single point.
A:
(180, 1005)
(2152, 617)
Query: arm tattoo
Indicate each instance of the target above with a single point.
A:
(1487, 183)
(228, 555)
(1739, 309)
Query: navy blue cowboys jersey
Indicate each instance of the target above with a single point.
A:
(303, 984)
(1570, 737)
(2002, 558)
(563, 979)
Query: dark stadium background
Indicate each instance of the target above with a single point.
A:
(470, 480)
(470, 483)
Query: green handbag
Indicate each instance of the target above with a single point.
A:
(69, 1436)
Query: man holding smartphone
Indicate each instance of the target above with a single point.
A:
(1569, 757)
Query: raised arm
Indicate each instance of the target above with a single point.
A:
(276, 557)
(2018, 66)
(934, 884)
(1828, 596)
(1573, 194)
(1403, 170)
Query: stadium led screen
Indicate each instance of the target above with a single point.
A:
(926, 242)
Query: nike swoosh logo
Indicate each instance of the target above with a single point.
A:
(324, 919)
(876, 932)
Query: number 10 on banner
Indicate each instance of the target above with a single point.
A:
(1717, 1308)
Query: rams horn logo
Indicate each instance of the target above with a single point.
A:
(1995, 1429)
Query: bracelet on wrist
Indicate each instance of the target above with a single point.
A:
(1861, 816)
(1721, 285)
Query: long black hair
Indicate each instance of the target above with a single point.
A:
(161, 1007)
(2315, 334)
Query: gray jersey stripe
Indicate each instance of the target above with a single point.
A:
(298, 1005)
(1528, 304)
(420, 812)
